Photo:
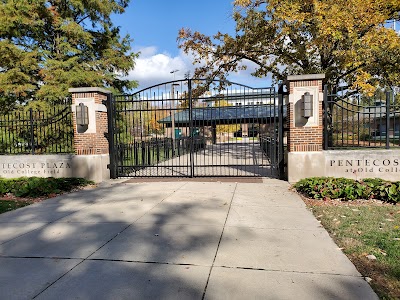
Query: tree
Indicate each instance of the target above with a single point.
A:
(49, 46)
(345, 39)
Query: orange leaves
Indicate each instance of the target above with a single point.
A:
(183, 33)
(242, 3)
(346, 39)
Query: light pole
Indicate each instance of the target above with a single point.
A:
(173, 72)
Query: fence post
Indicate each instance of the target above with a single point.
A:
(113, 152)
(191, 136)
(32, 131)
(281, 150)
(388, 94)
(325, 120)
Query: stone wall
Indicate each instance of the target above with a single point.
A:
(92, 167)
(353, 164)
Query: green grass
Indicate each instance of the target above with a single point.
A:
(362, 230)
(136, 159)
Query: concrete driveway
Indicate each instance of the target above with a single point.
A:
(239, 158)
(173, 240)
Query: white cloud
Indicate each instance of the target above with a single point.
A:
(147, 51)
(153, 68)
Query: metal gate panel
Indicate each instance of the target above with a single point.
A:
(195, 128)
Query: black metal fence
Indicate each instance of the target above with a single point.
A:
(195, 128)
(144, 154)
(269, 145)
(354, 121)
(37, 131)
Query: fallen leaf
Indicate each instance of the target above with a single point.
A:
(382, 252)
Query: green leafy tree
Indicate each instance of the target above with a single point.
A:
(49, 46)
(345, 39)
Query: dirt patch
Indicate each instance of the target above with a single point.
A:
(348, 203)
(380, 283)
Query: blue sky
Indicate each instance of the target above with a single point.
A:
(154, 26)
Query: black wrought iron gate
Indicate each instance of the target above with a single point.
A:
(197, 128)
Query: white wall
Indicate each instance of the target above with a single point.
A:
(92, 167)
(353, 164)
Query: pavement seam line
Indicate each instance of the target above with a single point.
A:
(219, 243)
(162, 200)
(85, 259)
(180, 264)
(318, 229)
(288, 271)
(38, 294)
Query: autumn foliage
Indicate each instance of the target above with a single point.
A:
(348, 40)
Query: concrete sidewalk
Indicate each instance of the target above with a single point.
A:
(239, 158)
(173, 240)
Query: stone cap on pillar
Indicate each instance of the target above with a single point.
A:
(305, 77)
(89, 90)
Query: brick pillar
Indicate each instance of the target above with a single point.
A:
(90, 143)
(305, 134)
(91, 140)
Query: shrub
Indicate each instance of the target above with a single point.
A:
(37, 186)
(349, 189)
